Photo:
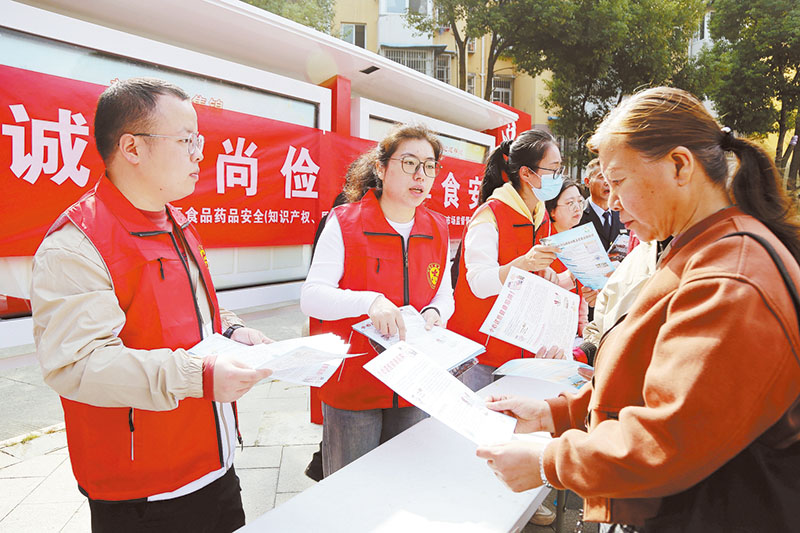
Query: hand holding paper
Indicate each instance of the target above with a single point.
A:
(447, 348)
(305, 360)
(515, 463)
(532, 415)
(583, 254)
(418, 379)
(533, 314)
(233, 379)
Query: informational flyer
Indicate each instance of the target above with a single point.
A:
(419, 379)
(532, 313)
(447, 348)
(307, 361)
(552, 370)
(583, 254)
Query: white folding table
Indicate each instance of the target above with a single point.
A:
(427, 479)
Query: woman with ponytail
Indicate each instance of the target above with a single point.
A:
(379, 251)
(503, 232)
(692, 420)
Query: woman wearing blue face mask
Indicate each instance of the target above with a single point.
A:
(503, 232)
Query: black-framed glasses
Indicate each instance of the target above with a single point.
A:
(410, 165)
(194, 142)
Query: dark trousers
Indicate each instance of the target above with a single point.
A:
(216, 508)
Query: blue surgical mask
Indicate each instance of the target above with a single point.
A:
(551, 186)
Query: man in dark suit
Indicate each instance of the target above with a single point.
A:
(605, 221)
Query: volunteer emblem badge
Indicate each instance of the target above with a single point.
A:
(434, 270)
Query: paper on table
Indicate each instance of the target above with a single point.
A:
(552, 370)
(532, 313)
(583, 254)
(447, 348)
(417, 378)
(305, 360)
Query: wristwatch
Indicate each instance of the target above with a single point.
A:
(230, 330)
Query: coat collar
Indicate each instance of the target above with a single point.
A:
(129, 216)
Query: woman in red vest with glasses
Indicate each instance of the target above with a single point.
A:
(380, 251)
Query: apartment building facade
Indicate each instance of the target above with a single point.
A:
(380, 26)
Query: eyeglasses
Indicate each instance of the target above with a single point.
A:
(194, 142)
(411, 164)
(575, 205)
(557, 172)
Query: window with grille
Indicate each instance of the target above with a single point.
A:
(501, 90)
(471, 83)
(443, 68)
(355, 34)
(471, 45)
(420, 60)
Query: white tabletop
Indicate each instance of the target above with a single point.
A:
(425, 479)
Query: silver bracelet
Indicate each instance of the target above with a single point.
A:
(541, 470)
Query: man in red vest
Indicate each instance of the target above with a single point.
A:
(121, 290)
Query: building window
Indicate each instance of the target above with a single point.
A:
(420, 59)
(418, 6)
(355, 34)
(501, 90)
(471, 45)
(395, 6)
(471, 83)
(443, 68)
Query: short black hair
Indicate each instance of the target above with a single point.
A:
(126, 106)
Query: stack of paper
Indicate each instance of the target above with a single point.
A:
(447, 348)
(552, 370)
(305, 360)
(422, 381)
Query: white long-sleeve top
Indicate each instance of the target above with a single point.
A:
(481, 243)
(321, 296)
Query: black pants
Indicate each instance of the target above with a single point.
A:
(216, 508)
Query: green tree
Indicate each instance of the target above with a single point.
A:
(503, 21)
(757, 54)
(447, 14)
(598, 51)
(317, 14)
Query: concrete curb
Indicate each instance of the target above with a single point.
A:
(55, 428)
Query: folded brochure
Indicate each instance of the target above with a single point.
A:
(307, 361)
(447, 348)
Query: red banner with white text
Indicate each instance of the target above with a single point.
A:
(262, 182)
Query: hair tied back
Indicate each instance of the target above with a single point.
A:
(505, 146)
(726, 141)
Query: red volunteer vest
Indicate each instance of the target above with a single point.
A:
(375, 260)
(516, 235)
(125, 453)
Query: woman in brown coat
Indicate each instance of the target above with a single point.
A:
(706, 360)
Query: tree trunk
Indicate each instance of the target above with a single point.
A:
(780, 161)
(461, 46)
(490, 61)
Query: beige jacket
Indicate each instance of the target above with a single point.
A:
(76, 319)
(621, 290)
